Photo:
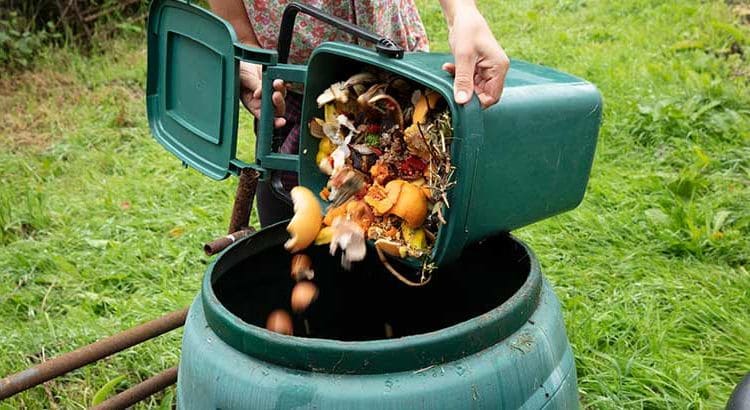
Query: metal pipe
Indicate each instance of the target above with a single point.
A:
(140, 391)
(243, 200)
(222, 243)
(48, 370)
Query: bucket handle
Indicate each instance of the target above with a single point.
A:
(383, 45)
(277, 68)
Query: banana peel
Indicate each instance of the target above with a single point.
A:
(415, 239)
(324, 236)
(325, 148)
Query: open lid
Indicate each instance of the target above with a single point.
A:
(193, 85)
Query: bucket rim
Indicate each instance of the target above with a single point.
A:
(372, 356)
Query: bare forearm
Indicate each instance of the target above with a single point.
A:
(234, 12)
(452, 7)
(480, 63)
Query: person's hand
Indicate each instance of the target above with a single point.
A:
(250, 92)
(481, 64)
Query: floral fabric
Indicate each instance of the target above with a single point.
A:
(395, 19)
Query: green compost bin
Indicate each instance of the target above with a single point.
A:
(485, 333)
(517, 162)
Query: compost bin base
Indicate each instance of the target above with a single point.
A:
(356, 305)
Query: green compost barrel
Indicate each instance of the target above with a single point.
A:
(486, 332)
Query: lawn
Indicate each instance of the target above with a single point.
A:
(101, 229)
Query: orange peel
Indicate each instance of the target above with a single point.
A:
(426, 191)
(306, 222)
(382, 199)
(411, 205)
(360, 213)
(423, 106)
(334, 213)
(380, 173)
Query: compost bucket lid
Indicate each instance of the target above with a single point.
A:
(193, 83)
(192, 90)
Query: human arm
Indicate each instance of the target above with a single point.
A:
(481, 64)
(234, 12)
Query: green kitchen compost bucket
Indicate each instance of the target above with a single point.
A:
(522, 160)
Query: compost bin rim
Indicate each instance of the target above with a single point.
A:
(372, 356)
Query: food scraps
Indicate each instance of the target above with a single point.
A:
(279, 321)
(384, 143)
(305, 224)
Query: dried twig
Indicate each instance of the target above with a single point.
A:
(423, 281)
(80, 20)
(117, 6)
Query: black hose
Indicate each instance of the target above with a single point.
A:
(740, 398)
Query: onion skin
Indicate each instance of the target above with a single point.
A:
(302, 267)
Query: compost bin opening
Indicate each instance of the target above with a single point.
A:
(356, 305)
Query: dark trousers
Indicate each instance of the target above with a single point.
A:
(273, 201)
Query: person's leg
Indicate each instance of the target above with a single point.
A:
(273, 201)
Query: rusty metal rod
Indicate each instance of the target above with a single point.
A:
(222, 243)
(243, 200)
(140, 391)
(48, 370)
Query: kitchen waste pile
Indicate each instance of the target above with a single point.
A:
(384, 143)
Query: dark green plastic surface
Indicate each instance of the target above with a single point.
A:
(379, 355)
(517, 162)
(192, 90)
(512, 354)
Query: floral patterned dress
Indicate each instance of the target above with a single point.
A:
(397, 20)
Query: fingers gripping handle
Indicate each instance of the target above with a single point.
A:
(264, 155)
(271, 71)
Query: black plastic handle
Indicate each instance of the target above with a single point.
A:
(383, 45)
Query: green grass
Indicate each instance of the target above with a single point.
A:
(101, 229)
